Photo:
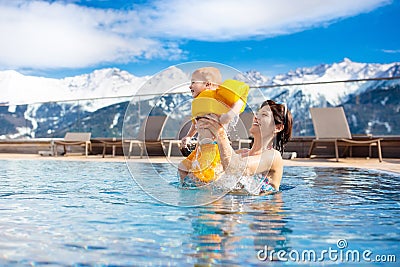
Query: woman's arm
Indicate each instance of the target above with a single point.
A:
(234, 111)
(232, 161)
(211, 123)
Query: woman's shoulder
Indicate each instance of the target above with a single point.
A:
(275, 158)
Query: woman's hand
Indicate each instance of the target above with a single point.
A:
(211, 122)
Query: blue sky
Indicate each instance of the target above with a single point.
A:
(61, 38)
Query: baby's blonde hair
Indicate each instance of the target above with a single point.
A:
(210, 74)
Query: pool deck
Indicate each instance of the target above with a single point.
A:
(388, 165)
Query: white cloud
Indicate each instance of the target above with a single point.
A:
(39, 34)
(391, 51)
(219, 20)
(42, 35)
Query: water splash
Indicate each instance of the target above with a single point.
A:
(231, 126)
(241, 184)
(236, 179)
(196, 163)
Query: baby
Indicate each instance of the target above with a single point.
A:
(210, 95)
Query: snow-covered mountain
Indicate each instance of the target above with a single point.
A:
(112, 82)
(333, 93)
(19, 89)
(101, 88)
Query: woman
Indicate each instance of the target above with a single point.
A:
(263, 161)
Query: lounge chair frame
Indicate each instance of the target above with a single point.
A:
(74, 139)
(182, 132)
(331, 126)
(149, 134)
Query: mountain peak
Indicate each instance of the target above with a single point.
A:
(347, 60)
(255, 77)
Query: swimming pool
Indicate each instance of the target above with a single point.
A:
(92, 213)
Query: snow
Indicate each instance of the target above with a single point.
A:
(334, 93)
(105, 83)
(21, 132)
(115, 120)
(103, 87)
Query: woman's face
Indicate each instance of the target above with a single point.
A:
(263, 121)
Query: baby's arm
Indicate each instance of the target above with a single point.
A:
(192, 131)
(235, 110)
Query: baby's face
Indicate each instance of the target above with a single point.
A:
(197, 85)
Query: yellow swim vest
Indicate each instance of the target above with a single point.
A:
(221, 100)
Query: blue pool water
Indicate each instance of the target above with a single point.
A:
(59, 213)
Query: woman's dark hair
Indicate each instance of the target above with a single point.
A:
(282, 115)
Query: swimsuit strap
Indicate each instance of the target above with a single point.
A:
(206, 141)
(265, 175)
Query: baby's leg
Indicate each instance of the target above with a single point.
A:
(204, 135)
(183, 171)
